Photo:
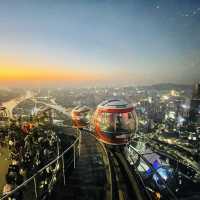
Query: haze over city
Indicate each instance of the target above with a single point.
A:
(99, 42)
(99, 99)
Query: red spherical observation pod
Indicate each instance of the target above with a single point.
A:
(114, 122)
(80, 116)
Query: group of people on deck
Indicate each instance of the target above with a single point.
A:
(28, 153)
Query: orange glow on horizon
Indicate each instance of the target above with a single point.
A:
(31, 74)
(16, 68)
(28, 71)
(13, 68)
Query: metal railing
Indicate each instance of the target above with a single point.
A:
(144, 162)
(44, 180)
(134, 191)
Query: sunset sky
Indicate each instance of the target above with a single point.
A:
(99, 42)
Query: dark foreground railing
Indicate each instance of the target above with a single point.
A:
(143, 162)
(43, 181)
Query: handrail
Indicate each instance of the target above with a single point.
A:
(130, 176)
(152, 168)
(57, 158)
(43, 168)
(110, 193)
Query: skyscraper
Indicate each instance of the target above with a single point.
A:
(194, 115)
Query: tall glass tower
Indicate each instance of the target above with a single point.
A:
(194, 114)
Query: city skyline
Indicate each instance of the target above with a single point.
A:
(99, 42)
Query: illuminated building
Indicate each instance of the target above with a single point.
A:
(194, 114)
